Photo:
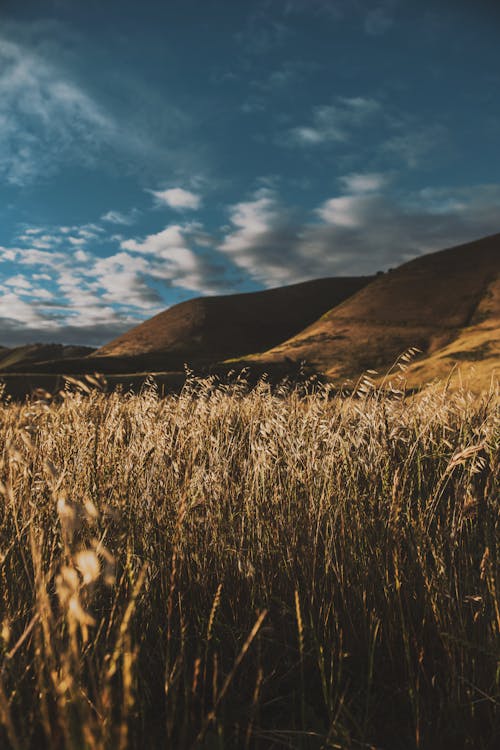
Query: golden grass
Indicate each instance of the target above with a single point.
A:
(250, 568)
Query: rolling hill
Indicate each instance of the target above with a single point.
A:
(445, 303)
(210, 329)
(23, 357)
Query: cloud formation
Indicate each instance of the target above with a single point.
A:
(44, 118)
(177, 198)
(356, 232)
(172, 260)
(333, 122)
(118, 217)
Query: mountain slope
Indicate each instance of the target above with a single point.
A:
(22, 357)
(210, 329)
(436, 302)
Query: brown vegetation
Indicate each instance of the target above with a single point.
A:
(233, 568)
(436, 302)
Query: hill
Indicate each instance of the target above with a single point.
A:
(22, 357)
(210, 329)
(445, 303)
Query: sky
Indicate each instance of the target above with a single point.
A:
(155, 151)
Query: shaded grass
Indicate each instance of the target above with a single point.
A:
(234, 568)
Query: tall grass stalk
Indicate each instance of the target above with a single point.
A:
(257, 568)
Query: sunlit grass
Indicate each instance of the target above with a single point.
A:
(250, 568)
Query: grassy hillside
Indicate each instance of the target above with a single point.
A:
(209, 329)
(473, 355)
(444, 303)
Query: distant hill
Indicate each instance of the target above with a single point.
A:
(22, 357)
(210, 329)
(445, 303)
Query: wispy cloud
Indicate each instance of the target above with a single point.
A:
(44, 118)
(415, 144)
(177, 198)
(118, 217)
(70, 281)
(334, 122)
(363, 182)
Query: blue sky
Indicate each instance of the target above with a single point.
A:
(155, 151)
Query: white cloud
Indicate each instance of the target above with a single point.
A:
(358, 233)
(120, 279)
(15, 310)
(252, 220)
(261, 232)
(346, 211)
(7, 253)
(19, 282)
(34, 257)
(117, 217)
(44, 118)
(172, 259)
(177, 198)
(363, 182)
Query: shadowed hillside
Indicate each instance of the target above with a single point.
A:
(445, 303)
(23, 357)
(209, 329)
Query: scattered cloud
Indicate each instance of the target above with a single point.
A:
(415, 145)
(333, 122)
(16, 313)
(72, 290)
(177, 198)
(346, 211)
(118, 217)
(363, 183)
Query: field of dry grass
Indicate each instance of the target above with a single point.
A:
(237, 568)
